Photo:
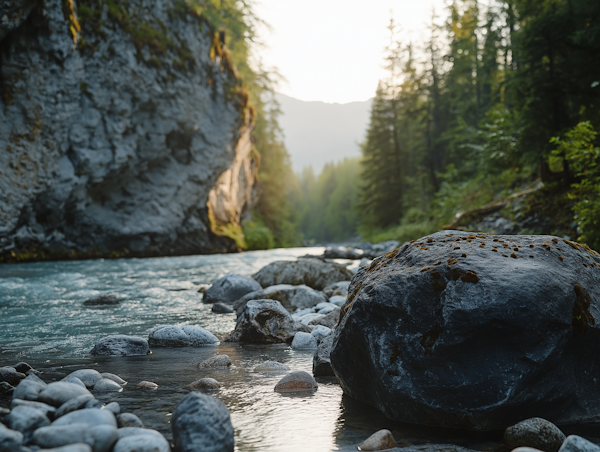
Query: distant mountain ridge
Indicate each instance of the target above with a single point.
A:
(317, 132)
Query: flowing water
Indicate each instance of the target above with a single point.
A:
(43, 322)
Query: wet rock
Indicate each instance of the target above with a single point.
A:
(337, 289)
(321, 361)
(230, 288)
(74, 404)
(22, 367)
(337, 300)
(132, 439)
(114, 408)
(307, 318)
(201, 422)
(88, 377)
(121, 345)
(329, 320)
(381, 440)
(75, 381)
(102, 300)
(320, 332)
(181, 336)
(57, 393)
(31, 376)
(304, 341)
(315, 273)
(26, 420)
(6, 388)
(10, 439)
(263, 322)
(220, 308)
(106, 385)
(535, 432)
(216, 361)
(100, 438)
(575, 443)
(114, 378)
(290, 297)
(11, 376)
(148, 385)
(88, 416)
(204, 384)
(520, 333)
(296, 381)
(93, 404)
(28, 389)
(49, 411)
(79, 447)
(342, 252)
(271, 366)
(327, 309)
(129, 420)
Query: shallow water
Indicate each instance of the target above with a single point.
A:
(43, 321)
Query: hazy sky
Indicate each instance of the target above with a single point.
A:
(332, 50)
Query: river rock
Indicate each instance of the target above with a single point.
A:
(114, 378)
(76, 381)
(304, 341)
(28, 389)
(297, 381)
(321, 360)
(201, 422)
(337, 289)
(74, 404)
(342, 252)
(102, 300)
(535, 432)
(320, 332)
(106, 385)
(516, 326)
(216, 361)
(10, 439)
(313, 272)
(327, 309)
(575, 443)
(88, 416)
(100, 438)
(271, 366)
(220, 308)
(381, 440)
(263, 322)
(330, 320)
(230, 288)
(114, 408)
(121, 345)
(23, 368)
(93, 404)
(181, 336)
(6, 388)
(88, 377)
(204, 384)
(129, 420)
(307, 318)
(148, 385)
(49, 411)
(79, 447)
(143, 440)
(26, 420)
(337, 300)
(11, 376)
(290, 297)
(57, 393)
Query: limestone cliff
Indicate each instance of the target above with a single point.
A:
(117, 120)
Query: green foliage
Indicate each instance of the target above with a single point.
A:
(578, 148)
(258, 236)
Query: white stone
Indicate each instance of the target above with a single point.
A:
(88, 377)
(337, 300)
(106, 385)
(305, 319)
(320, 332)
(142, 443)
(321, 306)
(575, 443)
(114, 378)
(304, 341)
(43, 407)
(114, 408)
(181, 336)
(57, 393)
(328, 309)
(28, 389)
(88, 416)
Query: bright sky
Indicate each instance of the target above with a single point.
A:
(332, 50)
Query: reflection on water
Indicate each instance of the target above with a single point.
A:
(43, 321)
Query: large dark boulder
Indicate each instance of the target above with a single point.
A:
(321, 360)
(315, 273)
(474, 331)
(229, 288)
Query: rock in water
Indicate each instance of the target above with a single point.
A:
(129, 420)
(121, 345)
(220, 308)
(106, 385)
(263, 322)
(148, 385)
(130, 158)
(537, 433)
(315, 273)
(474, 331)
(304, 341)
(297, 381)
(181, 336)
(271, 366)
(290, 297)
(381, 440)
(102, 300)
(216, 361)
(575, 443)
(230, 288)
(201, 422)
(89, 377)
(204, 384)
(321, 361)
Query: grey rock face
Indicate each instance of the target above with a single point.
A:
(315, 273)
(330, 320)
(89, 377)
(290, 297)
(122, 148)
(321, 360)
(121, 345)
(230, 288)
(535, 432)
(297, 381)
(181, 336)
(575, 443)
(201, 422)
(263, 322)
(514, 317)
(56, 394)
(320, 332)
(9, 439)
